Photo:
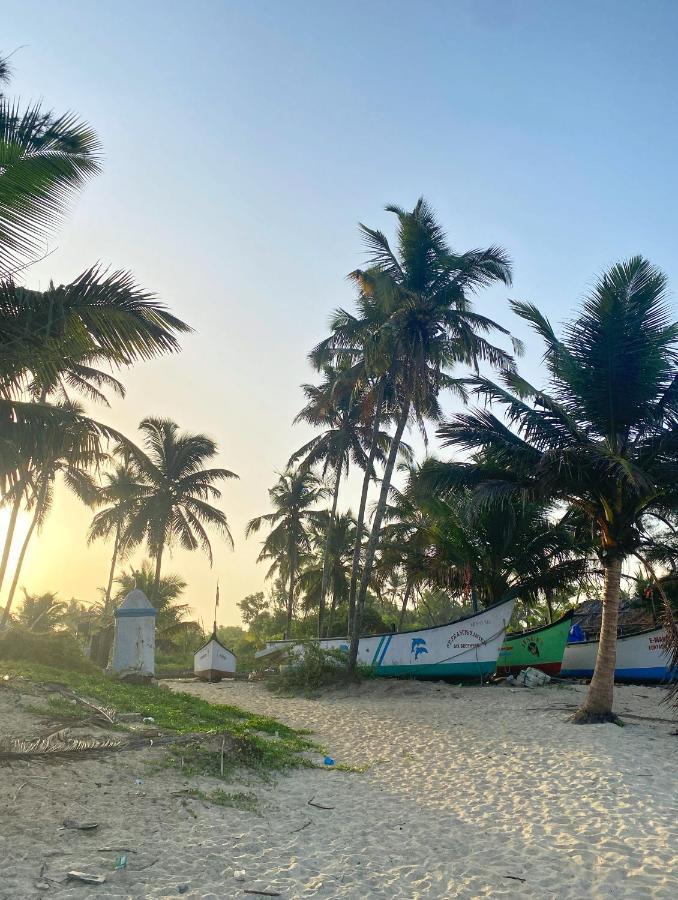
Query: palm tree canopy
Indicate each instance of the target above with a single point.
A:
(292, 498)
(175, 489)
(44, 160)
(604, 435)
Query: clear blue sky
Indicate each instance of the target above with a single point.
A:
(244, 140)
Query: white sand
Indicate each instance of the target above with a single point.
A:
(466, 787)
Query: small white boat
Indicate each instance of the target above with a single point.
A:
(640, 657)
(465, 648)
(213, 661)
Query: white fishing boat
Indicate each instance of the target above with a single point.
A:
(465, 648)
(640, 657)
(213, 661)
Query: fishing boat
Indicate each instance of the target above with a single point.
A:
(640, 657)
(465, 648)
(541, 648)
(213, 661)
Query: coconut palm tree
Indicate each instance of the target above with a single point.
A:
(420, 324)
(44, 159)
(292, 498)
(41, 612)
(174, 490)
(332, 539)
(602, 437)
(73, 466)
(337, 406)
(54, 342)
(121, 490)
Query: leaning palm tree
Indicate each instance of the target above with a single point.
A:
(53, 342)
(329, 564)
(419, 325)
(292, 498)
(41, 612)
(174, 492)
(602, 437)
(73, 467)
(44, 159)
(120, 490)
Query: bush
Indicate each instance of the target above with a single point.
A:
(311, 668)
(56, 649)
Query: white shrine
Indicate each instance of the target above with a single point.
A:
(134, 641)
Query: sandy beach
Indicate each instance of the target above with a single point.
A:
(469, 792)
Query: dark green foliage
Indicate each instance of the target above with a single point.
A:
(57, 649)
(316, 669)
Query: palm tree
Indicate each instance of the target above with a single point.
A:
(73, 466)
(420, 323)
(43, 612)
(53, 342)
(334, 537)
(292, 497)
(44, 159)
(603, 437)
(337, 406)
(174, 492)
(120, 490)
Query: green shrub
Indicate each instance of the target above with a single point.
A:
(56, 649)
(314, 668)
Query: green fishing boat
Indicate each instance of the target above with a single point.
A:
(541, 648)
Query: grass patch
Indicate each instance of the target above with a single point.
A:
(258, 742)
(233, 800)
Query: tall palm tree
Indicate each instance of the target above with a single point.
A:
(174, 492)
(602, 437)
(292, 498)
(44, 159)
(41, 612)
(334, 537)
(73, 466)
(120, 489)
(420, 324)
(337, 406)
(54, 341)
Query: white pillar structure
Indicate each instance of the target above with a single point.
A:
(134, 642)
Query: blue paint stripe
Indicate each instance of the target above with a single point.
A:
(383, 654)
(134, 613)
(651, 673)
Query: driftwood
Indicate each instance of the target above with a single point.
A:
(318, 805)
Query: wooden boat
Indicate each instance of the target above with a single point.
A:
(213, 661)
(465, 648)
(541, 648)
(640, 657)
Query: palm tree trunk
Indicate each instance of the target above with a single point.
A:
(290, 597)
(548, 596)
(330, 616)
(367, 478)
(326, 553)
(375, 535)
(109, 586)
(20, 560)
(11, 527)
(597, 705)
(403, 608)
(156, 579)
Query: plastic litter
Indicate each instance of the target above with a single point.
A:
(121, 861)
(240, 874)
(148, 720)
(328, 761)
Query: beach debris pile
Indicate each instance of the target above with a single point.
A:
(529, 678)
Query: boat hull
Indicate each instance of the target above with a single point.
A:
(213, 661)
(640, 657)
(539, 648)
(466, 648)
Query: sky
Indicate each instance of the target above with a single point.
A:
(244, 142)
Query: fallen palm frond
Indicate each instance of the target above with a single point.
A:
(18, 748)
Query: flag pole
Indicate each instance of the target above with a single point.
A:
(216, 605)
